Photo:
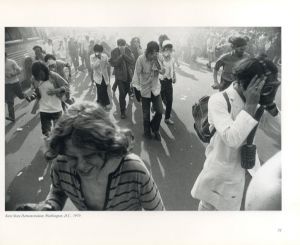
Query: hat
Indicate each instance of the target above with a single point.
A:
(166, 42)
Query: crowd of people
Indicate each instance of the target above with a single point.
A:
(92, 163)
(211, 43)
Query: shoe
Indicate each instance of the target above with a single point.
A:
(157, 136)
(169, 121)
(123, 115)
(10, 119)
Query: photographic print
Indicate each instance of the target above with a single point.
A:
(143, 118)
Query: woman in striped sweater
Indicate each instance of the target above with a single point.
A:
(93, 166)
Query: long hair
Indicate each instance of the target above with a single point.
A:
(152, 47)
(89, 126)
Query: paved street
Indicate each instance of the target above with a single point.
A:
(175, 162)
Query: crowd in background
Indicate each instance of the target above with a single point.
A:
(266, 41)
(144, 72)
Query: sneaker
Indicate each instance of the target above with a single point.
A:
(169, 121)
(157, 136)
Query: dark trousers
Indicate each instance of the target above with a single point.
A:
(115, 85)
(124, 88)
(11, 91)
(158, 108)
(46, 121)
(102, 95)
(167, 95)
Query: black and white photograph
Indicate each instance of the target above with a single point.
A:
(142, 118)
(186, 111)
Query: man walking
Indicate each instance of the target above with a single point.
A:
(122, 60)
(12, 86)
(100, 66)
(146, 80)
(167, 80)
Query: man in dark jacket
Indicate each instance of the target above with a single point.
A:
(122, 60)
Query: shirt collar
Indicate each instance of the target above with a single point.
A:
(233, 94)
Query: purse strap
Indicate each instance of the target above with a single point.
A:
(227, 101)
(257, 117)
(228, 108)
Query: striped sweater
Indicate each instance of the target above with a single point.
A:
(130, 187)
